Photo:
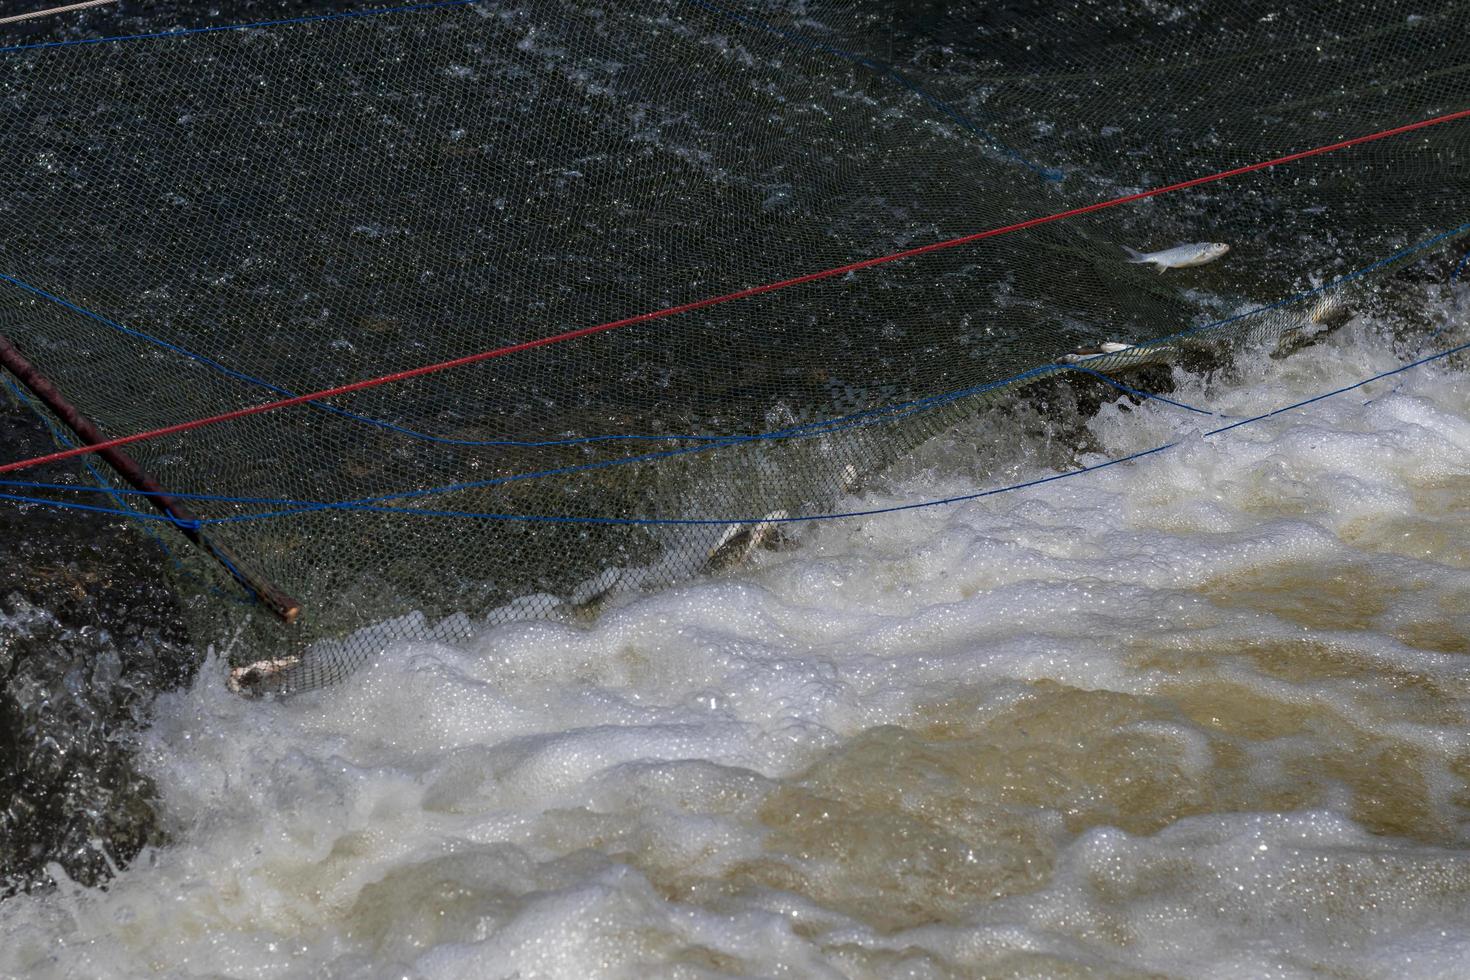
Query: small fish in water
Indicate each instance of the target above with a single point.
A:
(1326, 314)
(1330, 308)
(253, 680)
(1088, 353)
(740, 541)
(589, 598)
(1180, 256)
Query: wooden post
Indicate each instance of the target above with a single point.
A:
(128, 468)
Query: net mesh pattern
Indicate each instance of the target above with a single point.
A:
(202, 222)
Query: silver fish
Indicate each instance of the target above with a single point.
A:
(1180, 256)
(1092, 353)
(740, 541)
(253, 680)
(1122, 357)
(1329, 309)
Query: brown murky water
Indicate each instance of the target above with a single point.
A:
(1203, 716)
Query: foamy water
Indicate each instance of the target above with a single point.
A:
(1204, 714)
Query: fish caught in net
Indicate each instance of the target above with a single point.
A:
(807, 237)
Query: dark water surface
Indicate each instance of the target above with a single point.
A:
(89, 631)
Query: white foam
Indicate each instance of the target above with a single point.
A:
(1201, 715)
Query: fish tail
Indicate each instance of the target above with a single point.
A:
(1134, 255)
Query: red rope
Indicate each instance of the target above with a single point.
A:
(716, 300)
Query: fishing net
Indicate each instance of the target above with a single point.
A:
(203, 221)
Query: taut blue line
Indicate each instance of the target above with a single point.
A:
(1333, 284)
(1144, 394)
(249, 598)
(554, 519)
(713, 442)
(71, 505)
(61, 437)
(808, 430)
(812, 428)
(886, 510)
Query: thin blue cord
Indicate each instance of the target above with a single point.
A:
(715, 442)
(119, 495)
(821, 427)
(1443, 326)
(887, 413)
(553, 519)
(61, 437)
(1144, 394)
(371, 506)
(1459, 268)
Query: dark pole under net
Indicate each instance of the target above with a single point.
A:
(272, 597)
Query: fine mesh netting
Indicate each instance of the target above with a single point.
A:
(206, 221)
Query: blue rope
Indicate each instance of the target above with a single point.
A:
(249, 598)
(264, 501)
(1144, 394)
(821, 427)
(808, 430)
(370, 507)
(1443, 326)
(714, 442)
(89, 508)
(126, 510)
(1459, 268)
(61, 437)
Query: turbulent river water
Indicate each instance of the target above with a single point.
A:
(1200, 714)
